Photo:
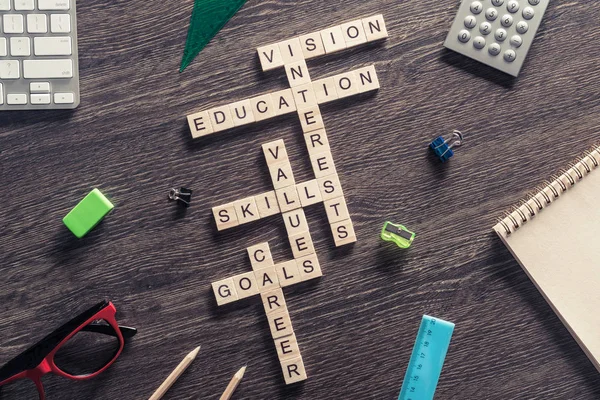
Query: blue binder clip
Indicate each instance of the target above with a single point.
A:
(442, 148)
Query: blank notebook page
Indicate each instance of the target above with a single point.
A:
(558, 249)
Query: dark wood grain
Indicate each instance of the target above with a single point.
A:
(356, 326)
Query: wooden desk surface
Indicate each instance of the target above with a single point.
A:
(356, 326)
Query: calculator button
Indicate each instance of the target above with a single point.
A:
(512, 6)
(528, 13)
(464, 36)
(479, 42)
(497, 3)
(485, 28)
(510, 55)
(476, 7)
(494, 49)
(533, 2)
(506, 21)
(470, 22)
(491, 14)
(522, 27)
(516, 41)
(500, 35)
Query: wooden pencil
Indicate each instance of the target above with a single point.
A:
(233, 384)
(183, 365)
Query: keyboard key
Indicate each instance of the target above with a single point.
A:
(3, 49)
(52, 46)
(39, 87)
(9, 69)
(20, 46)
(49, 5)
(37, 23)
(1, 95)
(4, 6)
(40, 98)
(40, 69)
(64, 98)
(24, 5)
(20, 98)
(60, 23)
(13, 23)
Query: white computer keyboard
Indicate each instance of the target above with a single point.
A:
(39, 69)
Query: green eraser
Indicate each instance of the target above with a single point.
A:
(88, 213)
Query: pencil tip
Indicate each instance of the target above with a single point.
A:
(194, 352)
(241, 372)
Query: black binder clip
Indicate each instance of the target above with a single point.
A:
(442, 148)
(182, 196)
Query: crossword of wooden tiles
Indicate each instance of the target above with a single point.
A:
(288, 197)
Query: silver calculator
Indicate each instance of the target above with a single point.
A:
(38, 55)
(497, 33)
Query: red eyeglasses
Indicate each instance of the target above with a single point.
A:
(80, 349)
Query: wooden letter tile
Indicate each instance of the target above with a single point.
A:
(293, 370)
(346, 84)
(288, 199)
(375, 28)
(246, 210)
(245, 285)
(309, 267)
(322, 164)
(295, 221)
(343, 232)
(333, 39)
(287, 273)
(220, 118)
(224, 291)
(273, 300)
(366, 78)
(336, 210)
(241, 112)
(304, 96)
(281, 175)
(311, 119)
(200, 124)
(287, 347)
(267, 279)
(225, 216)
(283, 101)
(325, 90)
(354, 33)
(316, 141)
(291, 51)
(270, 57)
(312, 45)
(260, 256)
(275, 152)
(267, 204)
(262, 107)
(301, 244)
(330, 187)
(309, 193)
(297, 73)
(280, 323)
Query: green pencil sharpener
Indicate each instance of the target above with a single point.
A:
(398, 234)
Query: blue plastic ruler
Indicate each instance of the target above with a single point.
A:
(427, 359)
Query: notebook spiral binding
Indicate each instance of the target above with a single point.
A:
(549, 191)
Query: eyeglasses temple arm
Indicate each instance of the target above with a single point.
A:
(126, 331)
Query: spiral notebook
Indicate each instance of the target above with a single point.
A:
(554, 235)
